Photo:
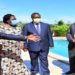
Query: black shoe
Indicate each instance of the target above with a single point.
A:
(33, 73)
(70, 72)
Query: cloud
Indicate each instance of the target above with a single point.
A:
(54, 20)
(67, 19)
(24, 18)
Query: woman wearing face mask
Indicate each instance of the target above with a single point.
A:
(11, 62)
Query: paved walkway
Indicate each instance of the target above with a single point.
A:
(56, 67)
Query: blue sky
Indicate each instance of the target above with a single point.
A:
(51, 10)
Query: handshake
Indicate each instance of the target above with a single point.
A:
(33, 37)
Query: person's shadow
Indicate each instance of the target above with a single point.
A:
(28, 65)
(63, 66)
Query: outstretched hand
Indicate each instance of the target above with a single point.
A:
(33, 37)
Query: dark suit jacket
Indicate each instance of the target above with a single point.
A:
(46, 37)
(11, 37)
(70, 35)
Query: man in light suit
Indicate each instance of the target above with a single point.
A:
(38, 50)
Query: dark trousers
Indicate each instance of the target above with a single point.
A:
(72, 59)
(42, 56)
(0, 68)
(72, 64)
(0, 59)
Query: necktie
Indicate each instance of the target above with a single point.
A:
(38, 28)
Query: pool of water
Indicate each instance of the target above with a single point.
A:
(60, 48)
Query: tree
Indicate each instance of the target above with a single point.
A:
(60, 22)
(21, 25)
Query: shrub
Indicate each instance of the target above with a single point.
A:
(60, 30)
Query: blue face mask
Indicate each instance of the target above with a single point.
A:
(14, 23)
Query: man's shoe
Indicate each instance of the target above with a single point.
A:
(70, 72)
(35, 74)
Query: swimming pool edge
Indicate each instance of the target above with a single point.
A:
(59, 58)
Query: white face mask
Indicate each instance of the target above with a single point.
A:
(37, 20)
(13, 22)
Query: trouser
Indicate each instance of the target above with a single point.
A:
(72, 64)
(1, 72)
(0, 59)
(72, 59)
(42, 56)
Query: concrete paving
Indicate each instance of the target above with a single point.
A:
(56, 67)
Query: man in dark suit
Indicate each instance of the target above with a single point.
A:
(39, 49)
(71, 48)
